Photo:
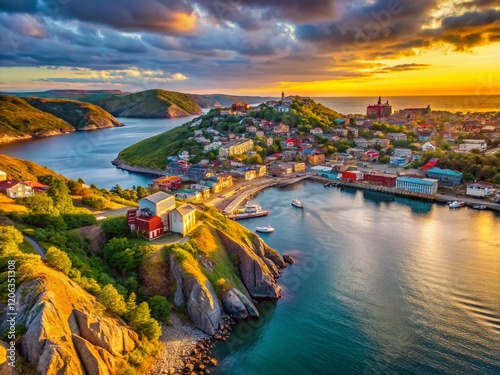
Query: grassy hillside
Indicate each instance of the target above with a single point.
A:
(80, 115)
(18, 118)
(23, 169)
(153, 152)
(151, 104)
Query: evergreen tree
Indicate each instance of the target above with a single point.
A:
(113, 300)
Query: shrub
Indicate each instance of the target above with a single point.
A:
(115, 227)
(160, 308)
(95, 202)
(58, 259)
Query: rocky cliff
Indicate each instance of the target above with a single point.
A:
(222, 270)
(66, 332)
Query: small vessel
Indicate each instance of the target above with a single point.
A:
(295, 202)
(456, 204)
(479, 207)
(253, 210)
(268, 229)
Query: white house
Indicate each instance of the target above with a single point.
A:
(479, 189)
(16, 189)
(183, 219)
(317, 130)
(428, 147)
(471, 144)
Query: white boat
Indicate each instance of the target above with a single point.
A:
(479, 207)
(456, 204)
(268, 229)
(250, 211)
(295, 202)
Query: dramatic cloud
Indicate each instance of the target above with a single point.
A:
(234, 42)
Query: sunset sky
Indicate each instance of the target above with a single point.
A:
(260, 47)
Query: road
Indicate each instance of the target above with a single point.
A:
(38, 248)
(114, 213)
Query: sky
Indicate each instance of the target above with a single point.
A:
(254, 47)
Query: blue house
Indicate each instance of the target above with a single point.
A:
(445, 177)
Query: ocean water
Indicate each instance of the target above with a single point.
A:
(381, 285)
(452, 103)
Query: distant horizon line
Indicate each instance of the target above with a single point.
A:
(254, 95)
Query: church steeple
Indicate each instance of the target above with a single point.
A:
(379, 100)
(282, 96)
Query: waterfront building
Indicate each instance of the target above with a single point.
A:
(352, 175)
(380, 109)
(279, 169)
(417, 185)
(479, 189)
(380, 179)
(445, 176)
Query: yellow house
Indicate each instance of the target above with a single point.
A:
(183, 219)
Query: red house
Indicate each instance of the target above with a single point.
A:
(380, 109)
(151, 227)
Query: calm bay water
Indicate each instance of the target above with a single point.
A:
(88, 155)
(381, 285)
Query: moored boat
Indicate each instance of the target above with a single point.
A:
(479, 207)
(268, 229)
(295, 202)
(456, 204)
(251, 211)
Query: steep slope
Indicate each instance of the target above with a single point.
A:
(80, 115)
(20, 169)
(20, 119)
(151, 104)
(65, 330)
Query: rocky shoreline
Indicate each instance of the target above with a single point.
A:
(120, 164)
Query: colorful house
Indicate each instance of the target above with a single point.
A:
(151, 218)
(380, 179)
(183, 219)
(479, 189)
(16, 189)
(445, 176)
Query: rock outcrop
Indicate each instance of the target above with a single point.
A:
(63, 333)
(255, 274)
(237, 305)
(105, 333)
(198, 296)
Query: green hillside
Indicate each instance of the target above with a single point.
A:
(151, 104)
(80, 115)
(153, 152)
(18, 118)
(304, 115)
(20, 169)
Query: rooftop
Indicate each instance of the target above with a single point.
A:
(185, 209)
(423, 181)
(158, 197)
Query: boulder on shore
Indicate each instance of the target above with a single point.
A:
(288, 259)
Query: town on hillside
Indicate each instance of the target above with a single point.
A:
(413, 149)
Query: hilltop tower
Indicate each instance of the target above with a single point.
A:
(282, 96)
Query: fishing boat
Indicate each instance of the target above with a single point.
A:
(295, 202)
(250, 211)
(479, 207)
(268, 229)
